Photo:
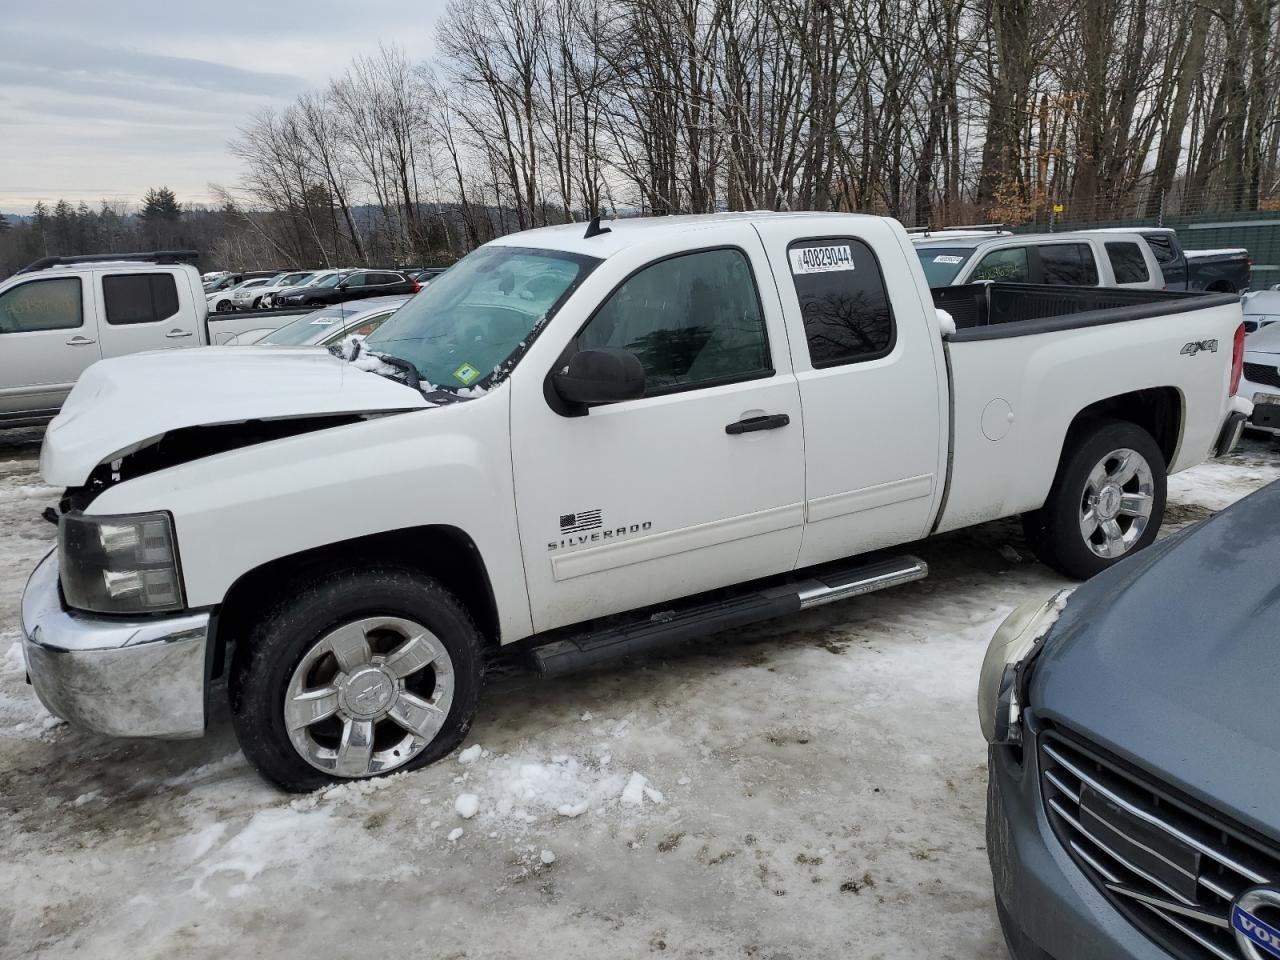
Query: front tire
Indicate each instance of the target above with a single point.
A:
(1106, 503)
(357, 674)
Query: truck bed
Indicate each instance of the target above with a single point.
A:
(989, 311)
(1025, 360)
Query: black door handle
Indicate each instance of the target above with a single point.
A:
(770, 421)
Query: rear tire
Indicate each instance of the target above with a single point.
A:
(1106, 503)
(355, 674)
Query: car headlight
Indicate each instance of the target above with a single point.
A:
(119, 564)
(999, 711)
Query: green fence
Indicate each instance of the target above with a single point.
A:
(1257, 231)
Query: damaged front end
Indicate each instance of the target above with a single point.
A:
(186, 444)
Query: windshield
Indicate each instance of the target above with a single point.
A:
(462, 329)
(941, 264)
(329, 281)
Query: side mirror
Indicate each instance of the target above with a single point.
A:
(341, 286)
(600, 376)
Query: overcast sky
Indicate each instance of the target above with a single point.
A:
(107, 99)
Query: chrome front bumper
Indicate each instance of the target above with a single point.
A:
(121, 678)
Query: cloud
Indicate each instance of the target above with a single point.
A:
(108, 99)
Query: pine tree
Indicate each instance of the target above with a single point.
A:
(4, 223)
(160, 213)
(160, 205)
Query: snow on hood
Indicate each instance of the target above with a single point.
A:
(123, 403)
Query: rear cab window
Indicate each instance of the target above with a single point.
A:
(1069, 264)
(1127, 262)
(843, 302)
(139, 297)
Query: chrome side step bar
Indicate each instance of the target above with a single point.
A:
(855, 583)
(669, 627)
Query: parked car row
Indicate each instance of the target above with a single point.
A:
(266, 290)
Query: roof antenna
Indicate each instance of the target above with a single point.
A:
(594, 229)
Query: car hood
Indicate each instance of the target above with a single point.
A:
(124, 403)
(1169, 660)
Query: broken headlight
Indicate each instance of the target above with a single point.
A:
(119, 564)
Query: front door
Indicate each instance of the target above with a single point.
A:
(47, 339)
(674, 493)
(870, 370)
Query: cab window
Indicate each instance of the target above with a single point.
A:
(842, 301)
(1127, 262)
(53, 304)
(1068, 263)
(693, 321)
(139, 297)
(1008, 265)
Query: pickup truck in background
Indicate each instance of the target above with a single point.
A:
(954, 258)
(62, 314)
(583, 445)
(1213, 271)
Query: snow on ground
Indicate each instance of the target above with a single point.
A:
(809, 787)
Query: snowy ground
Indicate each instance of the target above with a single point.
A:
(806, 788)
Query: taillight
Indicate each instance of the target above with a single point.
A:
(416, 286)
(1237, 360)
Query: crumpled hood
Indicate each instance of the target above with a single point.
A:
(123, 403)
(1171, 660)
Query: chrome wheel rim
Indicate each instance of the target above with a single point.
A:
(1116, 504)
(369, 696)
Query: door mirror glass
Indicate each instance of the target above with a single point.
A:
(604, 375)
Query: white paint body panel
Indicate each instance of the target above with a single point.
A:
(1047, 378)
(721, 509)
(862, 464)
(869, 480)
(121, 404)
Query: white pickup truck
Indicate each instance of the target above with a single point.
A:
(588, 443)
(61, 314)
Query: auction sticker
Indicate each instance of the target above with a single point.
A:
(467, 374)
(822, 259)
(947, 258)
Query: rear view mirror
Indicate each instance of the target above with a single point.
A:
(600, 376)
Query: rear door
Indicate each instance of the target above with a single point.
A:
(145, 310)
(47, 338)
(697, 484)
(864, 353)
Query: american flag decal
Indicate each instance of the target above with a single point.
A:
(580, 521)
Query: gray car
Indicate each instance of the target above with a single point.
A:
(327, 325)
(1134, 797)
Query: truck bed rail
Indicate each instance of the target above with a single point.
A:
(990, 311)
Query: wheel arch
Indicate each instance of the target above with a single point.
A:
(1158, 410)
(444, 552)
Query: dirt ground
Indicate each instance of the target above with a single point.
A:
(811, 787)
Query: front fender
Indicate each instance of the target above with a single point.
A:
(236, 511)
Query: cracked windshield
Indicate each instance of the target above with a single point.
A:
(473, 318)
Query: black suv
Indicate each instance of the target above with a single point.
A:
(351, 286)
